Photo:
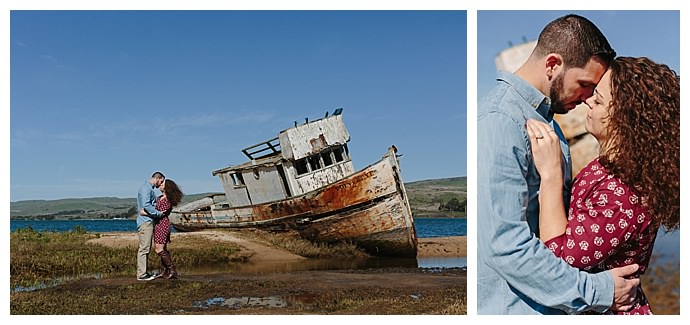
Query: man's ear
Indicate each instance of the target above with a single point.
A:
(553, 63)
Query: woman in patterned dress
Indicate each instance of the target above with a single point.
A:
(620, 200)
(171, 197)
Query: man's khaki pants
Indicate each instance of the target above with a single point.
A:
(145, 239)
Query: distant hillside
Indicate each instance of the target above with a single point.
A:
(86, 208)
(91, 208)
(446, 197)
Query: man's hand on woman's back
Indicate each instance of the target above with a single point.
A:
(624, 289)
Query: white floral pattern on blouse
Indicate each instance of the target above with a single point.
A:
(607, 227)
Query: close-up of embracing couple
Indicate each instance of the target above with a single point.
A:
(551, 240)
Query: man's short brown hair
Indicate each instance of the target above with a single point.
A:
(576, 39)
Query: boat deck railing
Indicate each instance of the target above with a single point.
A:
(263, 149)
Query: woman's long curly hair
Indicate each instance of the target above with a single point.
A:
(643, 147)
(173, 192)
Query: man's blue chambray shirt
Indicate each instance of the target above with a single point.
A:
(146, 198)
(516, 272)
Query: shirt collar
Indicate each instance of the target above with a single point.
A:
(529, 93)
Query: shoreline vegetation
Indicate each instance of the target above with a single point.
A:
(78, 272)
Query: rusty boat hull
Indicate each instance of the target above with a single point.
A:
(368, 208)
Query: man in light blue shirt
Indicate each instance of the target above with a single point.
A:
(146, 199)
(516, 272)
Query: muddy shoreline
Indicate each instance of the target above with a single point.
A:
(358, 291)
(392, 291)
(455, 246)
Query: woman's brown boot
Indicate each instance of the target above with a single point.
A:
(166, 259)
(165, 268)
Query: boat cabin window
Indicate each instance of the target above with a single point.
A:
(319, 161)
(237, 179)
(326, 157)
(255, 171)
(301, 166)
(314, 162)
(338, 153)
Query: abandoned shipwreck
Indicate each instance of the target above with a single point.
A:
(304, 181)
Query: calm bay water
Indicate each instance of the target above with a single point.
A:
(667, 247)
(67, 225)
(425, 227)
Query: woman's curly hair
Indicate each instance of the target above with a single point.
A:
(643, 149)
(173, 192)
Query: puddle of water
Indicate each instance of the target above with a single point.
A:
(31, 288)
(239, 302)
(55, 282)
(442, 262)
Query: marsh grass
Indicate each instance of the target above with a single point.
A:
(43, 257)
(180, 297)
(291, 242)
(39, 257)
(377, 300)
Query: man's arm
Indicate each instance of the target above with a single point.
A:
(145, 198)
(506, 243)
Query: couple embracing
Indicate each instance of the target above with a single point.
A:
(550, 244)
(153, 225)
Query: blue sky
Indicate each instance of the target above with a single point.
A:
(655, 34)
(101, 99)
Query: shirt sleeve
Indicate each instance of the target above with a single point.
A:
(145, 196)
(506, 244)
(599, 223)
